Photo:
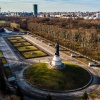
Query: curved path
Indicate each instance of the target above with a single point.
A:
(28, 89)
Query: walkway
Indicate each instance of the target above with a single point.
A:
(15, 63)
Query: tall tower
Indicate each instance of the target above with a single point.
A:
(0, 9)
(35, 10)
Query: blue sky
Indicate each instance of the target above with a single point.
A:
(50, 5)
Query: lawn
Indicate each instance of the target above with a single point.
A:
(1, 53)
(72, 77)
(27, 48)
(2, 22)
(34, 54)
(4, 60)
(21, 40)
(8, 72)
(16, 40)
(17, 37)
(22, 44)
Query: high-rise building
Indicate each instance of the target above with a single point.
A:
(35, 10)
(0, 9)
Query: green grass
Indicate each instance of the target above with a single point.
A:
(17, 37)
(4, 60)
(8, 72)
(13, 40)
(34, 54)
(27, 48)
(16, 40)
(72, 77)
(21, 40)
(1, 53)
(22, 44)
(2, 22)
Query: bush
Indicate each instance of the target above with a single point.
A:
(48, 97)
(93, 95)
(85, 96)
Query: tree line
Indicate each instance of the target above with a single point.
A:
(77, 34)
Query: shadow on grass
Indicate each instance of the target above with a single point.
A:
(72, 77)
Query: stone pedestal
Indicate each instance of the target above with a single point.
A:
(56, 63)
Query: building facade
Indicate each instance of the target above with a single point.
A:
(35, 10)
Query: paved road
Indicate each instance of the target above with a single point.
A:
(14, 61)
(95, 85)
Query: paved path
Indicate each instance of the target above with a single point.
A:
(95, 85)
(14, 61)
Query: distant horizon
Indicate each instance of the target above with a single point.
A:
(47, 12)
(50, 5)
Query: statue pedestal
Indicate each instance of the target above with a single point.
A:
(56, 63)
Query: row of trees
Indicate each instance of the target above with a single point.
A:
(78, 34)
(85, 41)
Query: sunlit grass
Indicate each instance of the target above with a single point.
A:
(4, 60)
(34, 54)
(22, 44)
(2, 22)
(27, 48)
(1, 53)
(8, 72)
(72, 77)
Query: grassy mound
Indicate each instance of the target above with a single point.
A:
(72, 77)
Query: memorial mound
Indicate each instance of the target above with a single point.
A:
(69, 78)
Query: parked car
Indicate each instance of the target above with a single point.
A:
(50, 44)
(42, 40)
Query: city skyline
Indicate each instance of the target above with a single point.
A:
(50, 5)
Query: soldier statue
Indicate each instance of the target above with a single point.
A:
(57, 49)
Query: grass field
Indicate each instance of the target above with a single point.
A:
(22, 44)
(16, 40)
(8, 72)
(72, 77)
(34, 54)
(2, 22)
(27, 48)
(1, 53)
(4, 60)
(11, 38)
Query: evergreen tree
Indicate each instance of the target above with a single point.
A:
(85, 96)
(19, 93)
(48, 97)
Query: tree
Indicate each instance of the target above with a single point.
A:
(19, 93)
(48, 97)
(85, 96)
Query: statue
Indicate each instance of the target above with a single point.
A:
(57, 49)
(56, 61)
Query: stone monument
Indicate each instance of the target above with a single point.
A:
(56, 61)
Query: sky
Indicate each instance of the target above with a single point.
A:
(50, 5)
